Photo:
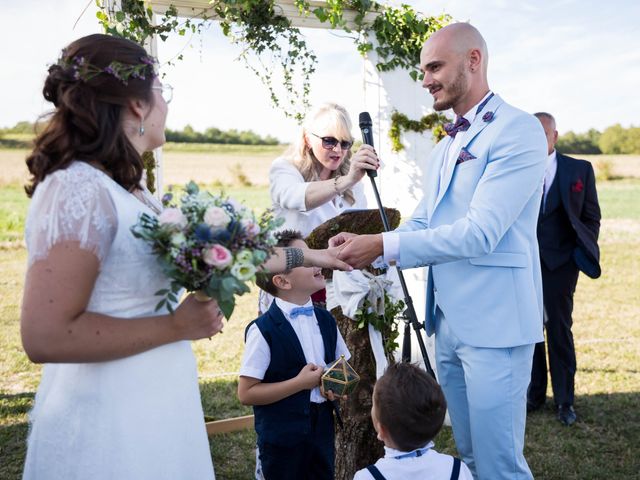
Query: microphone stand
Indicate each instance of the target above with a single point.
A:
(409, 315)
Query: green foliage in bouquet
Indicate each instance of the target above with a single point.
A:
(385, 324)
(207, 243)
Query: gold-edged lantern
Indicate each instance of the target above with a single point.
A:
(340, 377)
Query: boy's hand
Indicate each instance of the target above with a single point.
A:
(309, 376)
(329, 395)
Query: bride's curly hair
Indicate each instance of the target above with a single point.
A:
(86, 124)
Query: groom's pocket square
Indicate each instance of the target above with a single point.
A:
(464, 156)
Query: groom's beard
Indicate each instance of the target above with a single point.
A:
(454, 92)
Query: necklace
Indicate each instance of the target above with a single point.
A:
(144, 196)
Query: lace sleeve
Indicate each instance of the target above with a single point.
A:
(71, 205)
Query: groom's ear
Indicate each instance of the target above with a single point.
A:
(474, 59)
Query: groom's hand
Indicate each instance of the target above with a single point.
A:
(360, 251)
(340, 239)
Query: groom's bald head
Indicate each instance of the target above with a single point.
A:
(460, 39)
(454, 60)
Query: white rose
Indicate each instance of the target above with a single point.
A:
(216, 217)
(173, 216)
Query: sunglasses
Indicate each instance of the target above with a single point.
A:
(330, 142)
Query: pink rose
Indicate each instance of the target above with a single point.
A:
(217, 256)
(250, 227)
(173, 216)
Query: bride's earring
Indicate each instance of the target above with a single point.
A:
(141, 129)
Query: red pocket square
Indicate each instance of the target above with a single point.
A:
(577, 186)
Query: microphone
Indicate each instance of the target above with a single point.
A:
(367, 135)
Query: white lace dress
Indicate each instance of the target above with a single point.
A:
(139, 417)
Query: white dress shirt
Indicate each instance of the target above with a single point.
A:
(550, 169)
(431, 465)
(257, 355)
(288, 188)
(391, 240)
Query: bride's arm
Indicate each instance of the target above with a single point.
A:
(57, 328)
(326, 258)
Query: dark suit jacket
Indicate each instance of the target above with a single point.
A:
(579, 199)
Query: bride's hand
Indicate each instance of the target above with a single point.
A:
(195, 319)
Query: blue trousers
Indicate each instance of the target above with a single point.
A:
(486, 392)
(311, 459)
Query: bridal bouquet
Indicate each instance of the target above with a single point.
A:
(207, 244)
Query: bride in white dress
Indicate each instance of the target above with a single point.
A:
(119, 395)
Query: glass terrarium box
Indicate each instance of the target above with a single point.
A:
(340, 378)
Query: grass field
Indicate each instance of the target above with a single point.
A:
(603, 444)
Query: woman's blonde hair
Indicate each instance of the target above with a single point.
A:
(330, 117)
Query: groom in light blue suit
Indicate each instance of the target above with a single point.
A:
(476, 229)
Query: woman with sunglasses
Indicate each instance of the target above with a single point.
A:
(318, 177)
(119, 396)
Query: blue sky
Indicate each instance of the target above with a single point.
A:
(578, 59)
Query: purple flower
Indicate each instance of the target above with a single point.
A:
(166, 198)
(487, 117)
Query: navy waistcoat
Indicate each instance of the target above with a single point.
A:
(287, 421)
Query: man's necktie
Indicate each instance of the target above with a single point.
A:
(297, 311)
(461, 125)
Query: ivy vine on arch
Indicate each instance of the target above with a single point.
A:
(399, 121)
(267, 36)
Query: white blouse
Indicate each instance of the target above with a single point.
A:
(288, 188)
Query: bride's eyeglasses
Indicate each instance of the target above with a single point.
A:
(166, 91)
(330, 142)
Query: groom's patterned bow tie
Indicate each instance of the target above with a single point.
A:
(297, 311)
(461, 125)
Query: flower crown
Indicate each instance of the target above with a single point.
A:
(123, 72)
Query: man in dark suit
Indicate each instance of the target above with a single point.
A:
(568, 228)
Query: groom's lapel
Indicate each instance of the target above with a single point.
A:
(433, 173)
(476, 127)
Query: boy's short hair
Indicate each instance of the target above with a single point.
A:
(284, 238)
(410, 405)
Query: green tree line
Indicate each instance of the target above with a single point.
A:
(216, 135)
(614, 140)
(187, 135)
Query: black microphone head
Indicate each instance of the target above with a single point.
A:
(364, 119)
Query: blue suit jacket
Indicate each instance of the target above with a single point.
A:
(478, 232)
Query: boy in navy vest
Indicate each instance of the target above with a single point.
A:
(407, 412)
(286, 351)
